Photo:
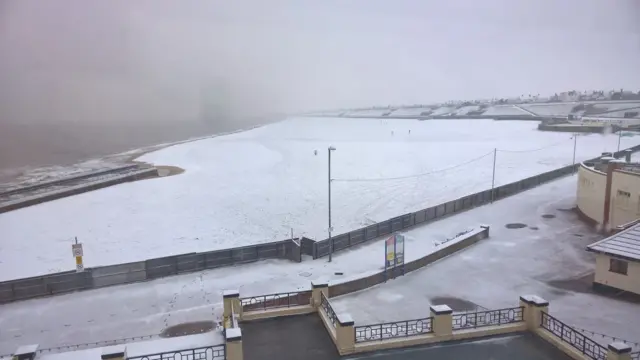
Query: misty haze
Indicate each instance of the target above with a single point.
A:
(81, 79)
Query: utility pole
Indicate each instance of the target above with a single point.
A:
(330, 149)
(493, 177)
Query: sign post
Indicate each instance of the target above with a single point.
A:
(394, 255)
(76, 250)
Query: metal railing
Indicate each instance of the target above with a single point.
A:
(216, 352)
(573, 337)
(392, 330)
(328, 309)
(635, 356)
(273, 301)
(472, 320)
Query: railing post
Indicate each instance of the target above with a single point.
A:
(233, 348)
(619, 351)
(442, 323)
(345, 334)
(231, 302)
(318, 288)
(533, 306)
(115, 352)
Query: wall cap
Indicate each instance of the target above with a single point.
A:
(345, 319)
(319, 284)
(233, 334)
(230, 294)
(114, 352)
(534, 300)
(27, 349)
(619, 347)
(441, 309)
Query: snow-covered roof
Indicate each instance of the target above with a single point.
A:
(625, 244)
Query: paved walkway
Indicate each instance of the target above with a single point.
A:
(293, 337)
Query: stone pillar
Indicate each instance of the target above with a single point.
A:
(442, 323)
(345, 334)
(231, 302)
(533, 307)
(627, 155)
(27, 352)
(233, 338)
(115, 352)
(619, 351)
(318, 287)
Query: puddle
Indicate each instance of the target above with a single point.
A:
(515, 226)
(189, 328)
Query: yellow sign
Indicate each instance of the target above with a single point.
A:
(78, 260)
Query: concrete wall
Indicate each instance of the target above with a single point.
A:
(625, 198)
(629, 282)
(75, 190)
(591, 193)
(378, 278)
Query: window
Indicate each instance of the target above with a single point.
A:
(618, 266)
(624, 193)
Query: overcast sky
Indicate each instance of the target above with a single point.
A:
(161, 60)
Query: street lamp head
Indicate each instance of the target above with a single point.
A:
(331, 148)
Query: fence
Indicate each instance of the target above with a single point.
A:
(344, 241)
(274, 301)
(328, 309)
(216, 352)
(97, 277)
(473, 320)
(291, 249)
(406, 328)
(573, 337)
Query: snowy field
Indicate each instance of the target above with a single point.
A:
(256, 186)
(485, 273)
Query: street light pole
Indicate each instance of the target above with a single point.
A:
(619, 137)
(330, 149)
(493, 177)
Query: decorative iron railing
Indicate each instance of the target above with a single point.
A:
(273, 301)
(216, 352)
(392, 330)
(328, 309)
(635, 356)
(573, 337)
(472, 320)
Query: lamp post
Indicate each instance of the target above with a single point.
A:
(575, 145)
(330, 149)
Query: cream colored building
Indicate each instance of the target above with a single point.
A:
(609, 193)
(618, 261)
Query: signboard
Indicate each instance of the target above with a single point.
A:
(394, 255)
(76, 249)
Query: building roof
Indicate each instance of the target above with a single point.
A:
(625, 244)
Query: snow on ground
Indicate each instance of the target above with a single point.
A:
(142, 348)
(493, 273)
(255, 186)
(409, 111)
(147, 308)
(369, 112)
(562, 109)
(443, 110)
(504, 110)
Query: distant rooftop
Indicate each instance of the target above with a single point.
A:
(625, 244)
